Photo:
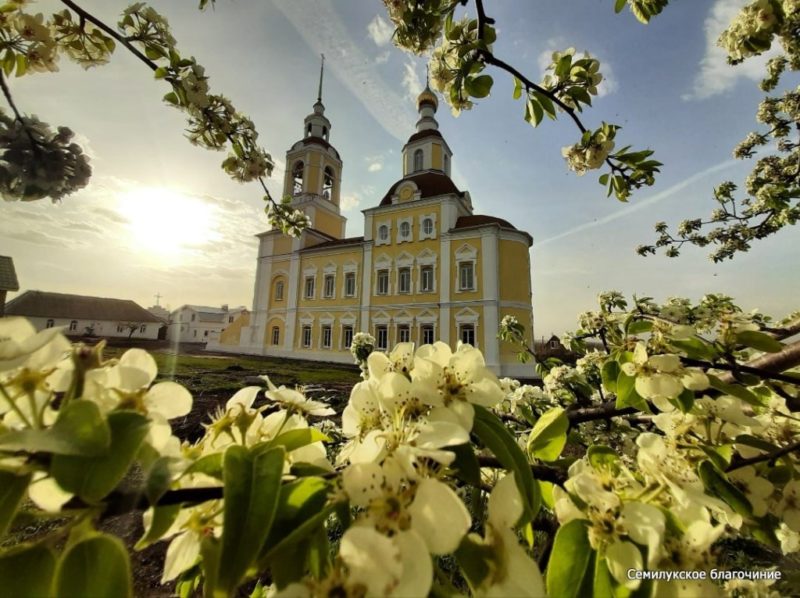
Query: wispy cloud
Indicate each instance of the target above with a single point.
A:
(640, 205)
(350, 202)
(323, 30)
(380, 31)
(411, 81)
(716, 75)
(607, 86)
(383, 57)
(374, 163)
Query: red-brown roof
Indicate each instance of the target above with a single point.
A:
(77, 307)
(479, 220)
(320, 141)
(430, 184)
(336, 243)
(423, 135)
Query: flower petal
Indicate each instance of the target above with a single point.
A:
(170, 399)
(439, 516)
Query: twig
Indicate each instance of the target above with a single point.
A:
(545, 473)
(773, 456)
(606, 411)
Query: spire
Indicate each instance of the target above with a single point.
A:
(321, 72)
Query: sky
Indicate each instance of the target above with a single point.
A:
(160, 217)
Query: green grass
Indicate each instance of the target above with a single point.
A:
(212, 373)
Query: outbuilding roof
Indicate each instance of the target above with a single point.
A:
(8, 276)
(43, 304)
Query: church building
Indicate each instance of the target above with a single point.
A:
(426, 269)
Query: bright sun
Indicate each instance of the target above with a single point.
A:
(165, 221)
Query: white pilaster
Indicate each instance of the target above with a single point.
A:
(491, 292)
(366, 284)
(294, 287)
(444, 283)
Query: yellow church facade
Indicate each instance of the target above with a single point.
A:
(427, 268)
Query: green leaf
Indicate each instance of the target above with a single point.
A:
(476, 560)
(298, 501)
(685, 400)
(517, 89)
(79, 430)
(478, 87)
(162, 519)
(295, 439)
(619, 5)
(97, 566)
(533, 112)
(252, 486)
(12, 489)
(695, 348)
(92, 478)
(759, 340)
(639, 327)
(718, 485)
(569, 559)
(27, 572)
(496, 437)
(610, 373)
(159, 479)
(549, 435)
(626, 392)
(602, 457)
(755, 442)
(465, 465)
(160, 72)
(210, 465)
(735, 390)
(22, 65)
(547, 104)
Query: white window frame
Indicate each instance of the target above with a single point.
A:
(464, 268)
(423, 288)
(276, 335)
(463, 327)
(349, 276)
(400, 336)
(422, 234)
(347, 330)
(73, 326)
(468, 317)
(401, 238)
(306, 279)
(381, 328)
(400, 271)
(326, 343)
(388, 239)
(329, 293)
(306, 343)
(422, 329)
(143, 328)
(418, 165)
(279, 290)
(378, 279)
(466, 254)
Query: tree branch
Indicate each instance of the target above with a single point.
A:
(545, 473)
(110, 31)
(773, 456)
(605, 411)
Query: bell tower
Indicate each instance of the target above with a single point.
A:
(314, 171)
(426, 149)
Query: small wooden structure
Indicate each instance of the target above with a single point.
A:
(8, 281)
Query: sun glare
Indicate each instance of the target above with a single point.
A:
(166, 222)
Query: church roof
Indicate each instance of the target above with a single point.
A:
(8, 276)
(430, 184)
(336, 243)
(423, 135)
(319, 141)
(77, 307)
(479, 220)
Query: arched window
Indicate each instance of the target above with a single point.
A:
(405, 230)
(279, 291)
(308, 130)
(297, 178)
(50, 324)
(445, 158)
(73, 326)
(383, 232)
(325, 133)
(327, 183)
(427, 226)
(417, 160)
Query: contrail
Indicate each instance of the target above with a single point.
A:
(641, 204)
